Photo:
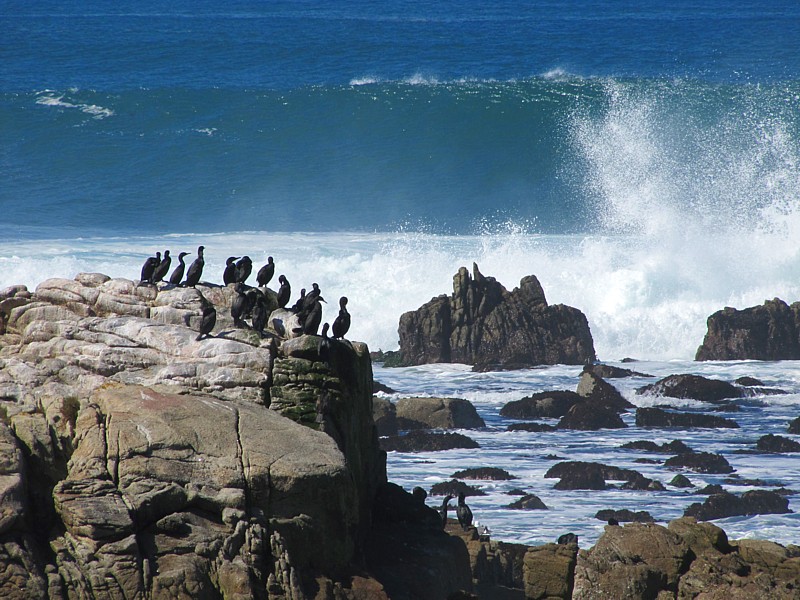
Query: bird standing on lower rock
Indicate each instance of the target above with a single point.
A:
(149, 267)
(229, 274)
(265, 273)
(463, 512)
(177, 274)
(163, 268)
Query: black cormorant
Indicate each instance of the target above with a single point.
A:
(229, 274)
(195, 269)
(149, 267)
(341, 325)
(285, 291)
(265, 273)
(208, 320)
(163, 268)
(177, 274)
(298, 306)
(260, 310)
(463, 512)
(243, 269)
(443, 510)
(239, 306)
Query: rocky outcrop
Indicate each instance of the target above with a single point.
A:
(776, 443)
(767, 332)
(484, 325)
(437, 413)
(700, 462)
(585, 416)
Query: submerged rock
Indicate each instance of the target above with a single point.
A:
(624, 516)
(490, 473)
(541, 405)
(777, 443)
(484, 325)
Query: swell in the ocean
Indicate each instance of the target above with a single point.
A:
(646, 204)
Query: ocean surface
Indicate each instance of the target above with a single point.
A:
(641, 159)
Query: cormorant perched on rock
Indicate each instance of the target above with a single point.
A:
(341, 325)
(260, 310)
(567, 538)
(463, 512)
(311, 297)
(285, 291)
(229, 274)
(243, 269)
(310, 324)
(239, 306)
(208, 320)
(149, 267)
(163, 268)
(195, 269)
(297, 307)
(265, 273)
(443, 510)
(177, 274)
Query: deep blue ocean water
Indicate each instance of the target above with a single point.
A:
(641, 158)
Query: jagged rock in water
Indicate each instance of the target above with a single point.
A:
(767, 332)
(542, 405)
(528, 502)
(777, 443)
(695, 387)
(437, 413)
(700, 462)
(624, 516)
(454, 487)
(754, 502)
(484, 325)
(425, 441)
(488, 473)
(586, 416)
(581, 475)
(601, 393)
(658, 417)
(673, 447)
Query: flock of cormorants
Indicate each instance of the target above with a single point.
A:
(249, 301)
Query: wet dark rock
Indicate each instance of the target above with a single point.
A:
(534, 427)
(516, 492)
(612, 372)
(484, 325)
(749, 382)
(710, 489)
(586, 416)
(528, 502)
(673, 447)
(695, 387)
(647, 461)
(489, 473)
(766, 332)
(580, 475)
(454, 487)
(425, 441)
(681, 481)
(592, 387)
(542, 405)
(657, 417)
(700, 462)
(624, 516)
(755, 502)
(794, 426)
(777, 443)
